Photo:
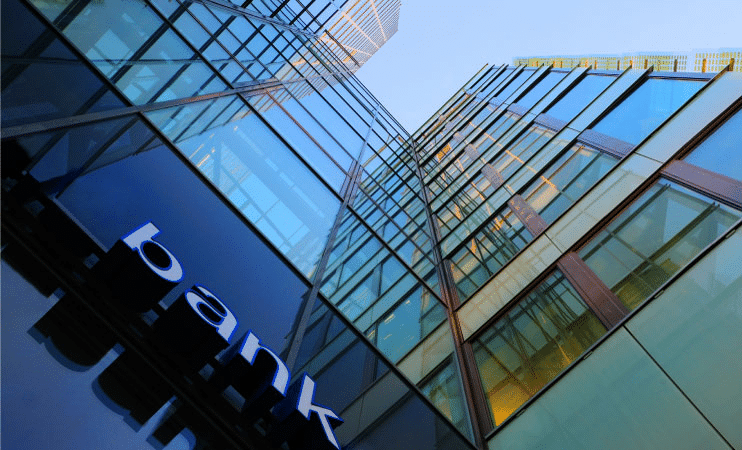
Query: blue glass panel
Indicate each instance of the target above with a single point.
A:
(579, 97)
(646, 108)
(566, 180)
(41, 78)
(722, 151)
(537, 92)
(262, 177)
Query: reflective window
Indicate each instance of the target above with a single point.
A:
(579, 97)
(260, 175)
(616, 398)
(308, 147)
(655, 237)
(539, 337)
(137, 51)
(444, 390)
(516, 155)
(566, 179)
(407, 323)
(488, 251)
(41, 78)
(722, 151)
(693, 334)
(498, 79)
(646, 108)
(514, 84)
(537, 92)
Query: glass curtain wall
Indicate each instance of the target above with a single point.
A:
(269, 118)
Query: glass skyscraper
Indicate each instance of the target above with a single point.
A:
(214, 236)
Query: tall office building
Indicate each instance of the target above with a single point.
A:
(215, 237)
(191, 190)
(586, 227)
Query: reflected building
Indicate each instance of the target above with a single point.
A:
(203, 209)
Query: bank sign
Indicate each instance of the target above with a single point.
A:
(200, 325)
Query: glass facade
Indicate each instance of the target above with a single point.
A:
(214, 236)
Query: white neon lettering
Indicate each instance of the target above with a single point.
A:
(137, 238)
(305, 406)
(226, 323)
(249, 351)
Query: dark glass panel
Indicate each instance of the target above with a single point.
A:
(41, 78)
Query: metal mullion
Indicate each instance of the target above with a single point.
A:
(341, 115)
(258, 17)
(296, 122)
(465, 363)
(402, 206)
(500, 112)
(278, 9)
(212, 38)
(33, 53)
(188, 128)
(349, 105)
(385, 162)
(319, 274)
(527, 215)
(561, 191)
(380, 186)
(392, 251)
(497, 189)
(712, 184)
(552, 123)
(599, 298)
(458, 191)
(390, 220)
(617, 213)
(420, 133)
(291, 94)
(402, 298)
(483, 228)
(290, 148)
(448, 158)
(414, 390)
(606, 144)
(22, 130)
(51, 28)
(682, 271)
(650, 259)
(440, 126)
(464, 184)
(142, 50)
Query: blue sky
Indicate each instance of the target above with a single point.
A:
(442, 43)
